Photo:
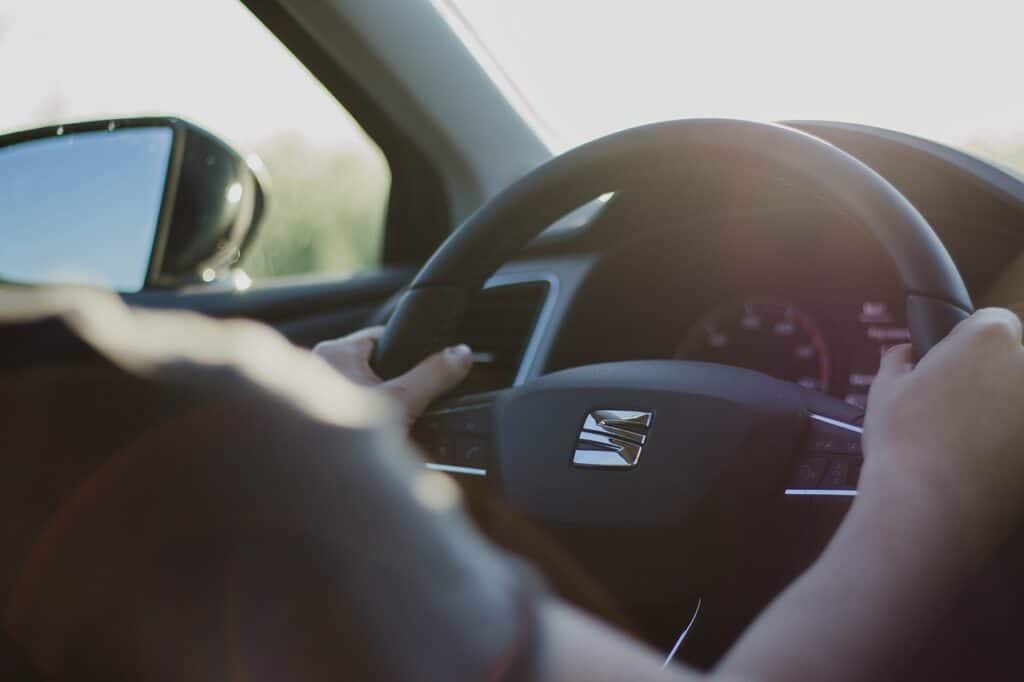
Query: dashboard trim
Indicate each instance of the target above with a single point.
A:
(835, 422)
(822, 493)
(684, 634)
(452, 469)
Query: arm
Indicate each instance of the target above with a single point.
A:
(941, 487)
(864, 602)
(867, 602)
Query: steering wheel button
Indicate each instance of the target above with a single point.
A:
(471, 452)
(825, 444)
(830, 439)
(443, 450)
(836, 474)
(808, 473)
(471, 421)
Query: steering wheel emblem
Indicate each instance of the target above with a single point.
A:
(612, 439)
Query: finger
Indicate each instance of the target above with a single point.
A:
(989, 320)
(896, 362)
(985, 328)
(439, 373)
(361, 341)
(372, 333)
(350, 355)
(997, 321)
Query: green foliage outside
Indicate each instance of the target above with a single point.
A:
(326, 209)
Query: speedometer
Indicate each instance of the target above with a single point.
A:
(765, 334)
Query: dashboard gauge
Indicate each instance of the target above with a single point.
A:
(765, 334)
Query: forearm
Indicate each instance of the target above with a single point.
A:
(578, 647)
(869, 600)
(878, 589)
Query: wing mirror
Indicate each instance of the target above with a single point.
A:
(127, 204)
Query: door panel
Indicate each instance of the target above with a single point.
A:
(304, 311)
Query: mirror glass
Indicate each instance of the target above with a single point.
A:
(83, 207)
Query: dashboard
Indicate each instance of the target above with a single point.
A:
(777, 337)
(774, 278)
(801, 293)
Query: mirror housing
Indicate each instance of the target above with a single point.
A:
(106, 176)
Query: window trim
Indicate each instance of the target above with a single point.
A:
(418, 217)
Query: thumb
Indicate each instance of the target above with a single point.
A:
(896, 362)
(422, 384)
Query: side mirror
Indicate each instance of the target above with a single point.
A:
(128, 204)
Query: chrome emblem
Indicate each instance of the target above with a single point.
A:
(612, 439)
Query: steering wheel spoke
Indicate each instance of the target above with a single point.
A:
(456, 436)
(828, 460)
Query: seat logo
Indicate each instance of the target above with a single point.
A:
(612, 439)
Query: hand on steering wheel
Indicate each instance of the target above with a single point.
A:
(946, 434)
(414, 390)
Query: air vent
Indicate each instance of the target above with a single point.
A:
(498, 327)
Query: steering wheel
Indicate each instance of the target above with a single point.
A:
(630, 454)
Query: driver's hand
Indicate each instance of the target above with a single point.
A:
(414, 390)
(947, 436)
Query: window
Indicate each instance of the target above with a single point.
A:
(213, 63)
(943, 70)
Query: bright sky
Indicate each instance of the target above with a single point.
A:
(208, 60)
(941, 69)
(948, 70)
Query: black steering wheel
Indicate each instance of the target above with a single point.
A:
(628, 454)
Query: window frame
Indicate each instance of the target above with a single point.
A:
(417, 216)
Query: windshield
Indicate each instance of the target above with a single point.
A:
(949, 71)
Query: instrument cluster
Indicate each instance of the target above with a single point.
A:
(836, 351)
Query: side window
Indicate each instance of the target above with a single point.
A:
(213, 63)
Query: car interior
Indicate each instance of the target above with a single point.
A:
(674, 326)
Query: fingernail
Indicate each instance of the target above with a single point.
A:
(459, 352)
